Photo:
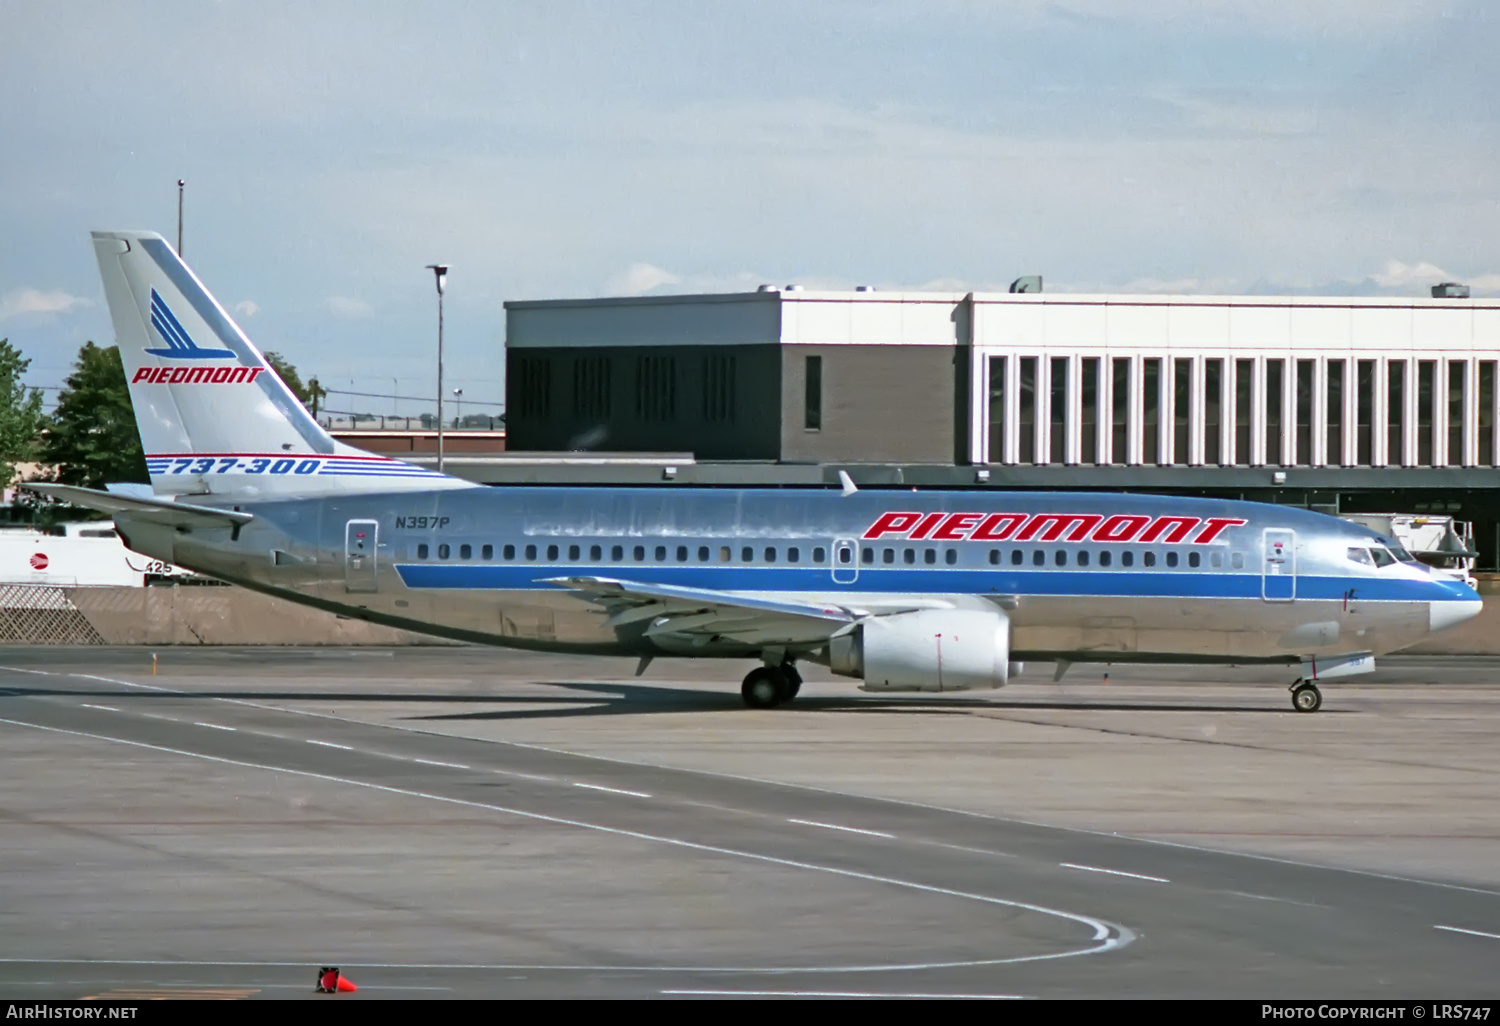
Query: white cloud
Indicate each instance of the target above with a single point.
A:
(639, 279)
(35, 301)
(247, 308)
(343, 306)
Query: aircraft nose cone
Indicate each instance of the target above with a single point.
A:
(1445, 614)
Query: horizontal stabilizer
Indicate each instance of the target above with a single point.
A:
(161, 510)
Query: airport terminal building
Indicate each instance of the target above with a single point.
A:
(1345, 404)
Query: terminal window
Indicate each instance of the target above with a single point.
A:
(1456, 373)
(1244, 388)
(1274, 372)
(1182, 405)
(997, 408)
(1120, 412)
(1364, 415)
(1213, 412)
(1395, 453)
(1027, 411)
(1150, 412)
(812, 414)
(1334, 440)
(1426, 371)
(1059, 411)
(1487, 413)
(1304, 412)
(1088, 440)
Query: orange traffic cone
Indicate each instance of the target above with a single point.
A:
(331, 981)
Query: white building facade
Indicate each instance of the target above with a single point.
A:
(1062, 379)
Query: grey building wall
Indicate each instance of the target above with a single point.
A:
(880, 403)
(715, 401)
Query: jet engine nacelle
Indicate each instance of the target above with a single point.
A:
(926, 650)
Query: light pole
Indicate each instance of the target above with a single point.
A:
(440, 274)
(181, 183)
(458, 399)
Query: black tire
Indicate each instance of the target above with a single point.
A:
(793, 681)
(1306, 698)
(763, 687)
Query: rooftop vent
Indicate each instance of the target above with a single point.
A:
(793, 288)
(768, 288)
(1450, 290)
(864, 288)
(1027, 283)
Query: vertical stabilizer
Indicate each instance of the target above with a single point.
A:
(214, 417)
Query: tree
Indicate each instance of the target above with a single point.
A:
(20, 413)
(91, 436)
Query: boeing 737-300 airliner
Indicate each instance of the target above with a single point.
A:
(906, 591)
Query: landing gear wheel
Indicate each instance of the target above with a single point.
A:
(1306, 698)
(764, 687)
(793, 681)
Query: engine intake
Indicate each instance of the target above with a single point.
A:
(926, 650)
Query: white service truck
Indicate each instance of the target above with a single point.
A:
(78, 554)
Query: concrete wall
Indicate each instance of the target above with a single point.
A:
(189, 615)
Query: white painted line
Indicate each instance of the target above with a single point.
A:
(214, 726)
(846, 829)
(842, 994)
(1472, 933)
(434, 762)
(329, 744)
(106, 708)
(525, 776)
(1107, 936)
(612, 790)
(1114, 872)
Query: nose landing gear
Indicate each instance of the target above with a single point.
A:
(1306, 697)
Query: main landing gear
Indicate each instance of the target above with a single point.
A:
(1306, 697)
(766, 687)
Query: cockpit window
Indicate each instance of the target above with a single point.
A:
(1382, 556)
(1361, 556)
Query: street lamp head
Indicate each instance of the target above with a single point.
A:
(440, 272)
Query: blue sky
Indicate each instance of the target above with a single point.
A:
(580, 149)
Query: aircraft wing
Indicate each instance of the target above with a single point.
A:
(162, 511)
(706, 613)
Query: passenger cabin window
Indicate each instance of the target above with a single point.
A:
(908, 556)
(1171, 559)
(1060, 558)
(443, 551)
(1083, 557)
(639, 553)
(820, 555)
(1194, 559)
(793, 554)
(887, 555)
(747, 555)
(488, 552)
(1038, 558)
(703, 553)
(573, 552)
(682, 554)
(422, 551)
(1148, 559)
(929, 556)
(1237, 560)
(551, 552)
(994, 557)
(770, 554)
(617, 553)
(1106, 557)
(531, 552)
(867, 556)
(661, 553)
(465, 552)
(950, 556)
(1127, 558)
(845, 556)
(596, 552)
(1016, 556)
(723, 553)
(1215, 559)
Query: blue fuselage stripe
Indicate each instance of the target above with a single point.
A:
(929, 580)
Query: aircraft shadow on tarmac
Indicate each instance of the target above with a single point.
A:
(634, 699)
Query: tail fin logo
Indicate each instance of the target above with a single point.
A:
(180, 345)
